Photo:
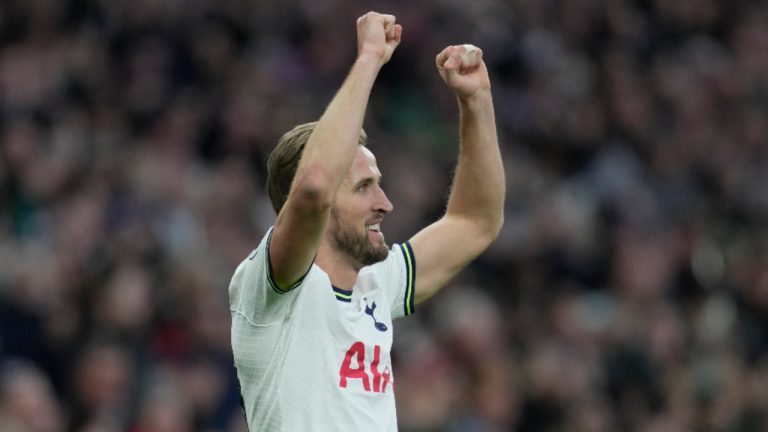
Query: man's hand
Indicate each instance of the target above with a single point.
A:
(378, 35)
(463, 70)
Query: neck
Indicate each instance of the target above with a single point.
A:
(340, 270)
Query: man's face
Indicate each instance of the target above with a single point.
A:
(355, 225)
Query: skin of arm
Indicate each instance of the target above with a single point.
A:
(329, 153)
(475, 211)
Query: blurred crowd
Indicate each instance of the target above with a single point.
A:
(628, 290)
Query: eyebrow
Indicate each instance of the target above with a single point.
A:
(369, 179)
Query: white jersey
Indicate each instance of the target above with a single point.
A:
(314, 357)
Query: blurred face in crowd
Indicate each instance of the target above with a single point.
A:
(27, 399)
(355, 225)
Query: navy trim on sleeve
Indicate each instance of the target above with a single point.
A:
(270, 277)
(410, 277)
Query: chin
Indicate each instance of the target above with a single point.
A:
(374, 255)
(381, 246)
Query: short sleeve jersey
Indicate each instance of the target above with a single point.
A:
(314, 357)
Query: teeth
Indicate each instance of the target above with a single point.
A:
(374, 227)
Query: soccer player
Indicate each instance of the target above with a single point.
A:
(312, 306)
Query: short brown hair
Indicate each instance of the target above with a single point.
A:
(284, 159)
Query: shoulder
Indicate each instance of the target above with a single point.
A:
(258, 257)
(396, 272)
(400, 255)
(253, 294)
(250, 272)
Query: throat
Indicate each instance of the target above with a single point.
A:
(341, 270)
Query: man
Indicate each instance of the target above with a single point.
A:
(312, 306)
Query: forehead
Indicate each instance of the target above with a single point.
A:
(363, 166)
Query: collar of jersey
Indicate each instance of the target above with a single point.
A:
(342, 295)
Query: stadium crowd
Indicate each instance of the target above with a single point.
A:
(628, 290)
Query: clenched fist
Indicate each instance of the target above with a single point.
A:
(463, 70)
(378, 34)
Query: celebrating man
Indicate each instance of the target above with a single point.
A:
(312, 305)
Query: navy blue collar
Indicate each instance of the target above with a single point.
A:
(341, 294)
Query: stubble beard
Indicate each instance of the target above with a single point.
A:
(355, 246)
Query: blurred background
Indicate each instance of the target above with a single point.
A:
(628, 290)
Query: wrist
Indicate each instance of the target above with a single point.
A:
(476, 100)
(371, 54)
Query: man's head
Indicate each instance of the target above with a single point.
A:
(356, 215)
(354, 228)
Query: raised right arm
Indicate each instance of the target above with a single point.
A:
(329, 153)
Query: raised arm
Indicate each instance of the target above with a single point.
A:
(475, 208)
(329, 153)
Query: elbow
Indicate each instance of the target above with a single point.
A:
(492, 229)
(485, 231)
(489, 223)
(314, 192)
(496, 226)
(312, 199)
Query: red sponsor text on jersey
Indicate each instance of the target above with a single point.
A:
(357, 351)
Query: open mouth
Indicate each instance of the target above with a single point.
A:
(374, 232)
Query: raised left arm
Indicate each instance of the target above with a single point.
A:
(475, 211)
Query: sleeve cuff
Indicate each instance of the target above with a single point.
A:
(410, 277)
(270, 275)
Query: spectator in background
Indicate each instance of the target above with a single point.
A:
(103, 381)
(27, 400)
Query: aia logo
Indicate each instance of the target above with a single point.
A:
(354, 367)
(380, 326)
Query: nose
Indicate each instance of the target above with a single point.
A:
(381, 203)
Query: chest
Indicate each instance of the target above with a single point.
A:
(350, 337)
(366, 317)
